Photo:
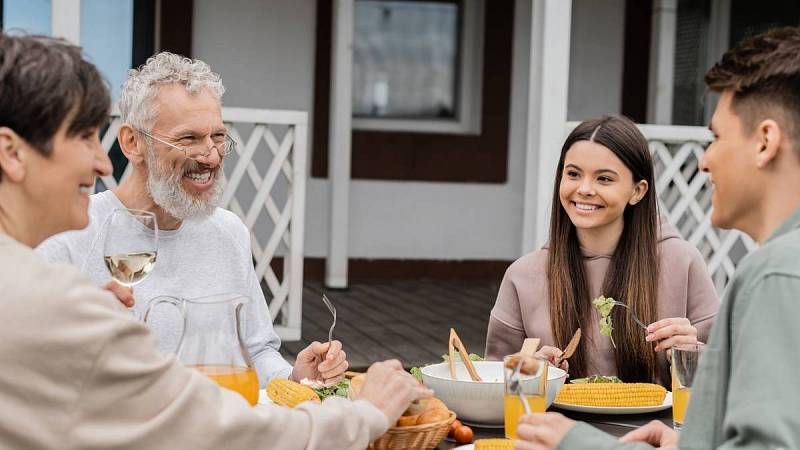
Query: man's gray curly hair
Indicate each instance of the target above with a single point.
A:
(137, 104)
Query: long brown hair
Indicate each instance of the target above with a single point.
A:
(632, 275)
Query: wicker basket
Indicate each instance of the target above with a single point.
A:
(422, 437)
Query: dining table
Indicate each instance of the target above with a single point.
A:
(613, 424)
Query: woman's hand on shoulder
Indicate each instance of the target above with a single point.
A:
(552, 354)
(670, 332)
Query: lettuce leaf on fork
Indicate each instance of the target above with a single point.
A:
(604, 305)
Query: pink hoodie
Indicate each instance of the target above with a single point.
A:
(521, 310)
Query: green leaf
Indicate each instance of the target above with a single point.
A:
(597, 379)
(604, 306)
(472, 357)
(339, 389)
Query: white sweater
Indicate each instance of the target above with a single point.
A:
(202, 257)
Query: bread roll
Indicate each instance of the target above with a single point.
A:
(407, 421)
(433, 415)
(355, 385)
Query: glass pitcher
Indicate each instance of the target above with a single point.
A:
(212, 341)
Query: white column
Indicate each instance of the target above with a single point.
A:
(662, 62)
(66, 20)
(548, 88)
(294, 319)
(339, 151)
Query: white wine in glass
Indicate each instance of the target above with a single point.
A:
(131, 245)
(130, 268)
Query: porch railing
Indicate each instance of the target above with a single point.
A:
(265, 185)
(685, 197)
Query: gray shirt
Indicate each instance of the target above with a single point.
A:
(746, 391)
(200, 258)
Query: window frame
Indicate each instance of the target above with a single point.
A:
(418, 156)
(469, 90)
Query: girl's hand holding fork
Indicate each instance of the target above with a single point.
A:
(671, 331)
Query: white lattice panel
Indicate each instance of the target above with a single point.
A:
(265, 186)
(685, 197)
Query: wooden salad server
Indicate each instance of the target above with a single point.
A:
(453, 343)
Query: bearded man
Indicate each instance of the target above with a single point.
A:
(174, 137)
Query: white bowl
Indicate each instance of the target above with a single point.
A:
(481, 401)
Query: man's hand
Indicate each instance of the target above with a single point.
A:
(542, 431)
(654, 433)
(123, 294)
(325, 362)
(391, 389)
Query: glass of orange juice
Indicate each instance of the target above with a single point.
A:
(685, 359)
(534, 391)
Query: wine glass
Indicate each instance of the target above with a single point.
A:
(131, 245)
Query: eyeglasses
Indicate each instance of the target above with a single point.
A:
(223, 145)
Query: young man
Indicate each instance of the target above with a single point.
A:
(175, 140)
(78, 371)
(746, 391)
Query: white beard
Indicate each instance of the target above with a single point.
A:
(167, 192)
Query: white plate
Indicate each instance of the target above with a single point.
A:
(466, 447)
(616, 409)
(263, 398)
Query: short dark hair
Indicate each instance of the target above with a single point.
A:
(45, 81)
(763, 72)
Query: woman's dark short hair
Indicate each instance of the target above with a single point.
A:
(43, 83)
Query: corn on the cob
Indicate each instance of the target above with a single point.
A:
(494, 444)
(612, 394)
(289, 393)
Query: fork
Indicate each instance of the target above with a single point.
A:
(633, 315)
(332, 309)
(514, 387)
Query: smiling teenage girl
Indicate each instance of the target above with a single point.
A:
(606, 239)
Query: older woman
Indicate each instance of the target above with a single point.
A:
(78, 371)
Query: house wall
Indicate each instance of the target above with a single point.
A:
(264, 50)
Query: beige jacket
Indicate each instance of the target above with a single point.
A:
(79, 372)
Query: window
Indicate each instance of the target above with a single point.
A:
(32, 16)
(691, 62)
(695, 50)
(107, 37)
(751, 18)
(417, 65)
(106, 34)
(411, 153)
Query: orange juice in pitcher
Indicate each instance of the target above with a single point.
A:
(212, 341)
(236, 378)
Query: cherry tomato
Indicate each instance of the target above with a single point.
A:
(453, 428)
(463, 434)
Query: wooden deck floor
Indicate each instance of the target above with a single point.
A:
(407, 320)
